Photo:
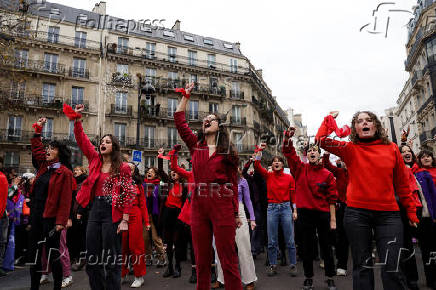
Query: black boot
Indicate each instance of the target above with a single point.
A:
(177, 271)
(193, 278)
(308, 284)
(169, 271)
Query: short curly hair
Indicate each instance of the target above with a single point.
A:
(380, 133)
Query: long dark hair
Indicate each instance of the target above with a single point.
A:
(425, 153)
(116, 159)
(224, 146)
(379, 132)
(64, 153)
(136, 176)
(411, 151)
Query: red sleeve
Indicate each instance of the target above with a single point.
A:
(38, 151)
(292, 191)
(143, 205)
(127, 188)
(179, 170)
(64, 204)
(258, 167)
(402, 184)
(294, 162)
(328, 165)
(3, 193)
(332, 191)
(184, 131)
(83, 142)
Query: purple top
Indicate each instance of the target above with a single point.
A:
(244, 192)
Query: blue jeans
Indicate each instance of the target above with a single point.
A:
(280, 214)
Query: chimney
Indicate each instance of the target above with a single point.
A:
(176, 25)
(259, 72)
(100, 8)
(238, 46)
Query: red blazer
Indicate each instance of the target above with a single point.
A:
(141, 203)
(122, 195)
(308, 179)
(218, 168)
(60, 188)
(3, 193)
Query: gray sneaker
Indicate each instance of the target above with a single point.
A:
(272, 270)
(293, 270)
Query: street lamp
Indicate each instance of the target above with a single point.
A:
(147, 89)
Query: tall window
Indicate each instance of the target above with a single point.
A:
(193, 79)
(47, 130)
(172, 54)
(173, 79)
(149, 161)
(172, 137)
(213, 108)
(12, 159)
(21, 58)
(238, 141)
(79, 67)
(236, 90)
(14, 128)
(120, 133)
(192, 57)
(77, 96)
(48, 92)
(236, 114)
(51, 62)
(121, 102)
(18, 89)
(149, 137)
(213, 82)
(123, 45)
(80, 39)
(172, 106)
(150, 75)
(193, 110)
(53, 34)
(233, 65)
(211, 63)
(150, 50)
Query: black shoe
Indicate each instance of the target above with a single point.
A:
(413, 285)
(177, 272)
(331, 284)
(168, 272)
(308, 284)
(272, 271)
(193, 278)
(2, 273)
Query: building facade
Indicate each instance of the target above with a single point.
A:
(124, 72)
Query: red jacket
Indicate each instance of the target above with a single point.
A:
(341, 175)
(60, 188)
(315, 185)
(220, 169)
(140, 202)
(280, 186)
(122, 195)
(376, 173)
(3, 193)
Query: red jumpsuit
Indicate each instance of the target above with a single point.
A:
(133, 241)
(214, 208)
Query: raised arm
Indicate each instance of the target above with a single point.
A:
(288, 149)
(185, 132)
(177, 169)
(163, 175)
(259, 169)
(338, 148)
(38, 151)
(328, 165)
(246, 167)
(83, 142)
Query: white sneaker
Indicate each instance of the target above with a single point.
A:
(341, 272)
(44, 280)
(139, 281)
(67, 281)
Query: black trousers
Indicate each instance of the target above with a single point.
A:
(257, 236)
(362, 226)
(342, 246)
(103, 246)
(76, 238)
(311, 222)
(172, 234)
(43, 233)
(408, 258)
(427, 244)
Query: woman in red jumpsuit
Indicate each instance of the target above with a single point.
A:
(133, 241)
(215, 199)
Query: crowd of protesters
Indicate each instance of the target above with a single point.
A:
(376, 196)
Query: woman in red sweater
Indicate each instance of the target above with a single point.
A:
(133, 241)
(315, 199)
(281, 200)
(376, 174)
(215, 202)
(110, 191)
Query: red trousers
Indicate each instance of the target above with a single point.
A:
(215, 216)
(133, 245)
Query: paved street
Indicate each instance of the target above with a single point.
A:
(153, 280)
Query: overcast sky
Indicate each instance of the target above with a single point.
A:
(313, 55)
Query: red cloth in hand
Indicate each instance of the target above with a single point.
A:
(329, 125)
(38, 129)
(257, 149)
(163, 157)
(70, 113)
(412, 217)
(183, 91)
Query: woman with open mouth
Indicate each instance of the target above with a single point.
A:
(215, 208)
(50, 195)
(110, 193)
(376, 174)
